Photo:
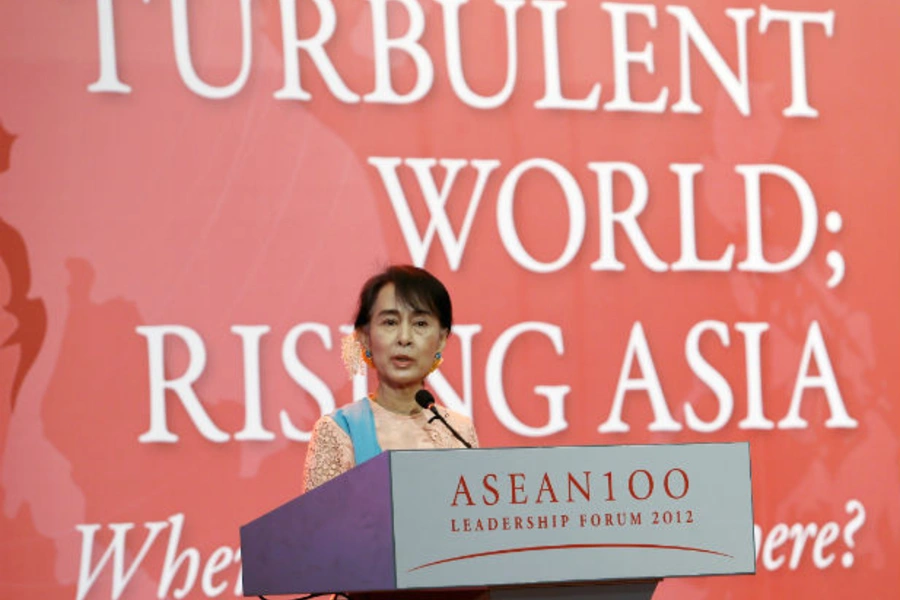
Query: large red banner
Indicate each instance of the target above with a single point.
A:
(659, 223)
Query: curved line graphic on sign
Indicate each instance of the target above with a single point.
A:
(567, 547)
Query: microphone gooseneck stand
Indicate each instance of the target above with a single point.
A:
(426, 401)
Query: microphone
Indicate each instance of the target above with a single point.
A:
(426, 401)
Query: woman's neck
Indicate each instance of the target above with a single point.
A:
(402, 401)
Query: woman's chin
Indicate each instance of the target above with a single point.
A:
(404, 378)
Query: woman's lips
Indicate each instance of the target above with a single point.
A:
(402, 361)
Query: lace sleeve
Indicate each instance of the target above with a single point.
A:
(330, 453)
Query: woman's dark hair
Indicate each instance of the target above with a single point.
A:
(414, 287)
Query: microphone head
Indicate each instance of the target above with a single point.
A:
(424, 399)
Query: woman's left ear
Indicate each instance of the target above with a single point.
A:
(443, 341)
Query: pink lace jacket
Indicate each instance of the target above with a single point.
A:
(330, 451)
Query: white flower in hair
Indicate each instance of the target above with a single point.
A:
(352, 353)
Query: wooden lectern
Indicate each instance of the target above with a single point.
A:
(512, 524)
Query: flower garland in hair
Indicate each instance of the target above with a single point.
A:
(354, 355)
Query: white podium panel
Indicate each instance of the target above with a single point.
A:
(494, 517)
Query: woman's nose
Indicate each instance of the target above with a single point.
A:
(405, 334)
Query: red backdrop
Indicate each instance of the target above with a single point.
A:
(659, 223)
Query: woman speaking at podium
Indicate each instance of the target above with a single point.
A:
(401, 328)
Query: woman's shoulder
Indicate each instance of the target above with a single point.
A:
(326, 424)
(338, 418)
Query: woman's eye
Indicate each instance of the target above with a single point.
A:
(421, 323)
(389, 322)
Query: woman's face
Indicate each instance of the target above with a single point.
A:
(402, 340)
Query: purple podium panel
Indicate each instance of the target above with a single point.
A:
(337, 537)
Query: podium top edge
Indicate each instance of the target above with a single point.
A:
(577, 446)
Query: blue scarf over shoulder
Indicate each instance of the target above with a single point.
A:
(358, 422)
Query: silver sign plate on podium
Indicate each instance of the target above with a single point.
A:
(512, 516)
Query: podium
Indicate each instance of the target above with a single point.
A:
(512, 523)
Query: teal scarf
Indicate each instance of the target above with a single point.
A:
(358, 422)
